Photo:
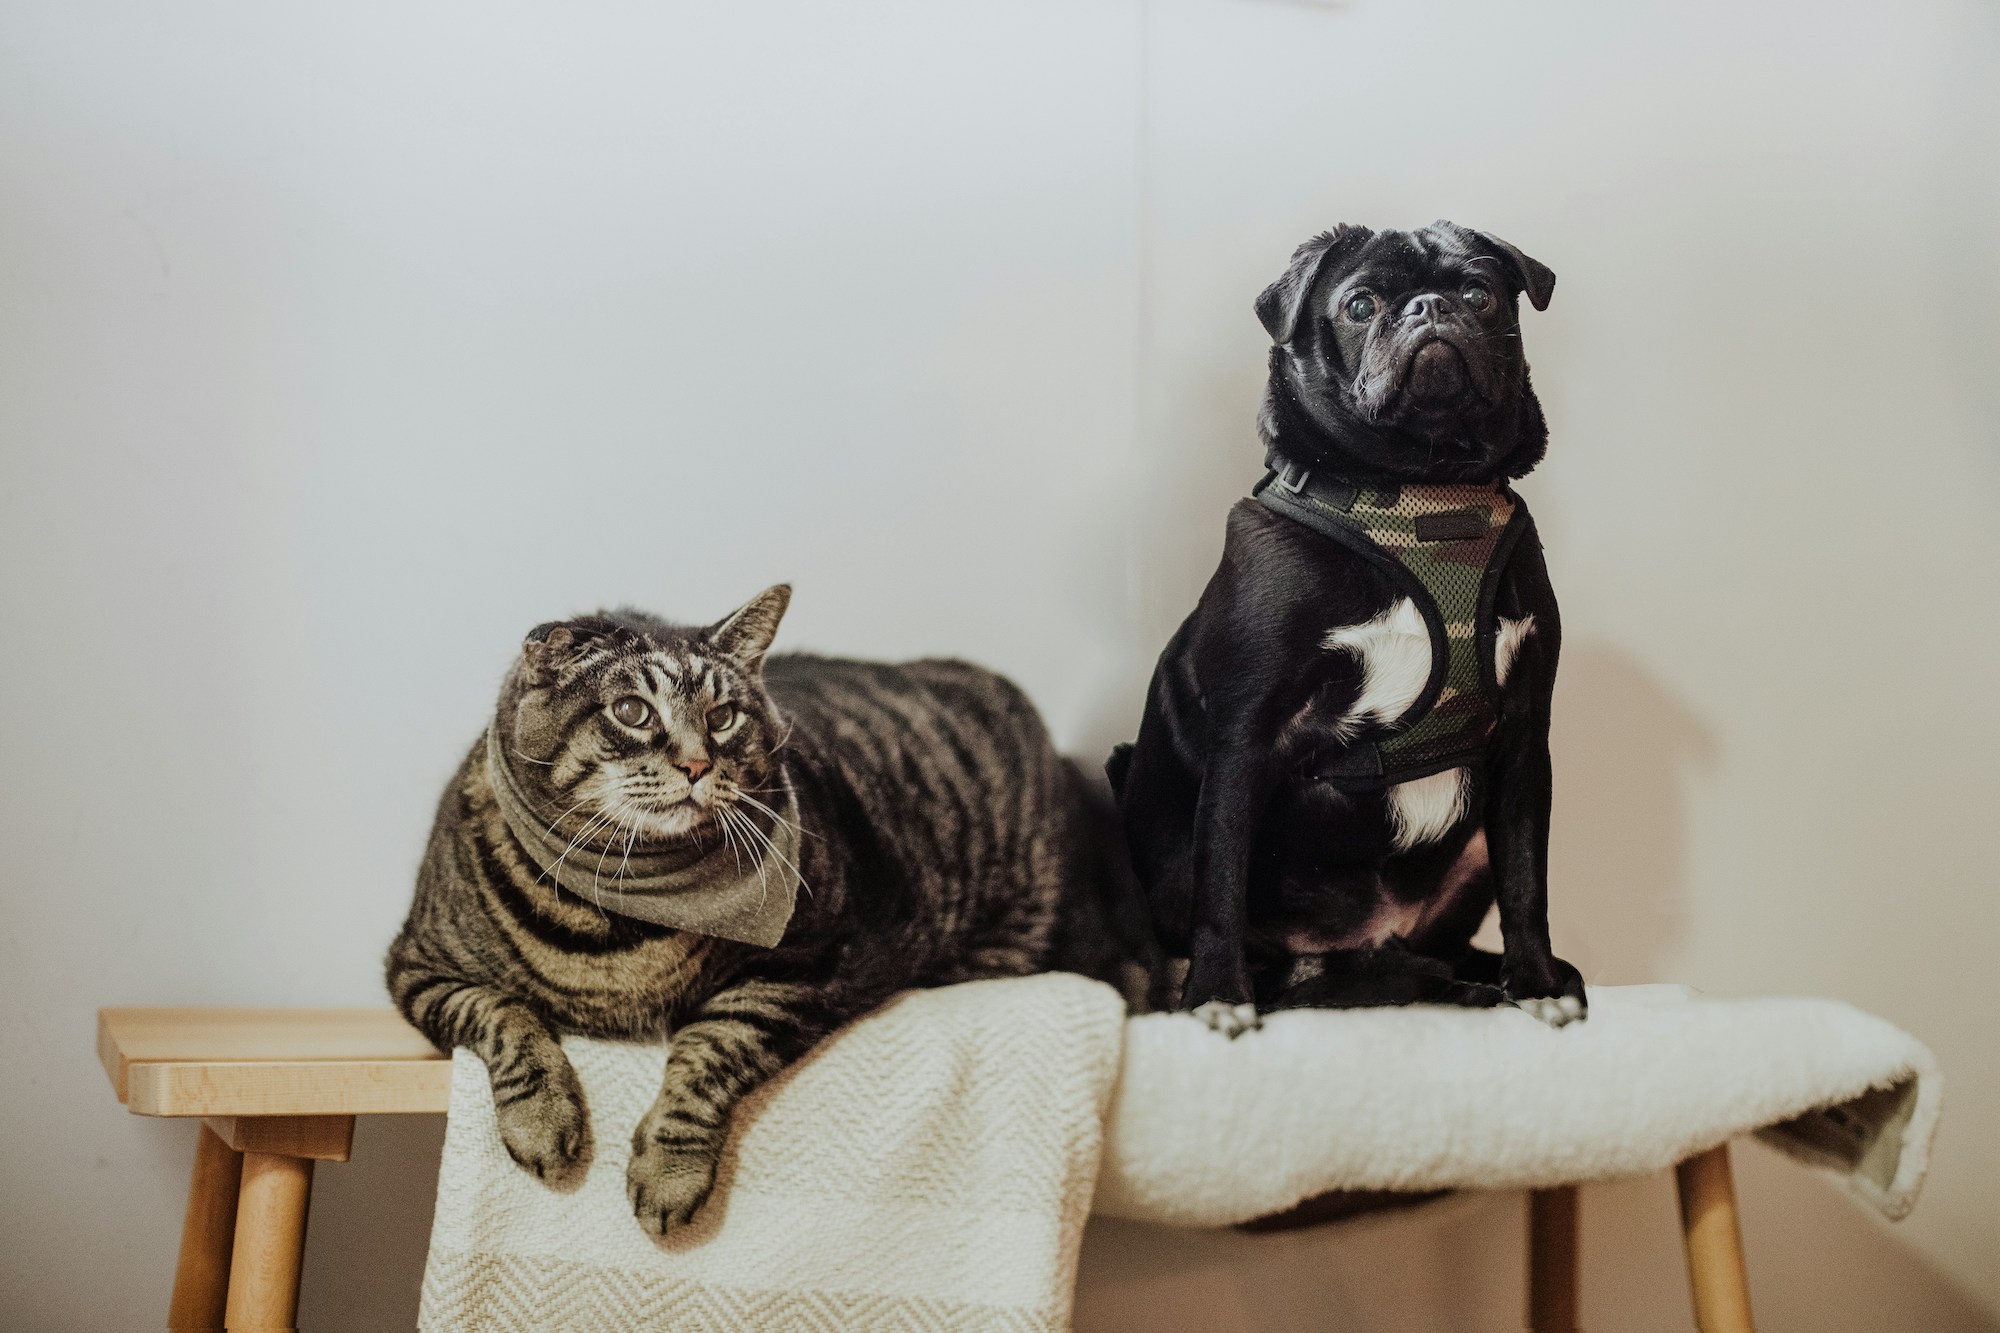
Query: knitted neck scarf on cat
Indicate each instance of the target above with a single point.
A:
(723, 890)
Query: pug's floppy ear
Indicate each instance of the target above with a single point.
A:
(1533, 277)
(745, 634)
(1537, 279)
(1278, 305)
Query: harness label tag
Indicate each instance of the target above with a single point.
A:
(1458, 525)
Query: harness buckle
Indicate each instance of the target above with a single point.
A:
(1286, 472)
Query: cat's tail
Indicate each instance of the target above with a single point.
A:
(1107, 929)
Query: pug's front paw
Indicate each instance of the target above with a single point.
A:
(1231, 1020)
(1555, 1010)
(667, 1184)
(1552, 990)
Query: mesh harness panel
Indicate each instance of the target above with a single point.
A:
(1445, 545)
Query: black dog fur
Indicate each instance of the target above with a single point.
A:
(1281, 889)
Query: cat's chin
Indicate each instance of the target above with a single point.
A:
(676, 823)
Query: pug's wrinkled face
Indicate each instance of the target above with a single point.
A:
(1403, 350)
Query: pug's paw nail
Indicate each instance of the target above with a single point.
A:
(1231, 1020)
(1554, 1011)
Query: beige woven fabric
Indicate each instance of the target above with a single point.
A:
(929, 1169)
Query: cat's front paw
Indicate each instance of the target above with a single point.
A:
(546, 1128)
(667, 1184)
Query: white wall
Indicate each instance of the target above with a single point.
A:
(341, 343)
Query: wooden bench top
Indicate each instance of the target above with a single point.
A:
(260, 1062)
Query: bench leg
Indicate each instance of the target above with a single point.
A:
(1716, 1274)
(270, 1242)
(1552, 1260)
(201, 1280)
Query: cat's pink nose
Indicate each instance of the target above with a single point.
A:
(694, 768)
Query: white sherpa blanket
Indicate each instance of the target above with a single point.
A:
(928, 1170)
(1209, 1132)
(931, 1168)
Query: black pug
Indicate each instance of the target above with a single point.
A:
(1344, 758)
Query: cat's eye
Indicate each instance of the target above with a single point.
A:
(1360, 307)
(1476, 295)
(721, 718)
(632, 711)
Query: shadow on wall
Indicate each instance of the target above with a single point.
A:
(1189, 471)
(1623, 748)
(371, 1227)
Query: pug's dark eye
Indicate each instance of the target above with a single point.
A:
(1360, 307)
(721, 718)
(1476, 295)
(632, 711)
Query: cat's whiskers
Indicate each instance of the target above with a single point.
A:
(771, 849)
(565, 815)
(763, 861)
(618, 813)
(729, 835)
(553, 871)
(722, 821)
(555, 868)
(776, 817)
(763, 879)
(630, 838)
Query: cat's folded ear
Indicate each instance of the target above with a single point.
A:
(548, 644)
(745, 635)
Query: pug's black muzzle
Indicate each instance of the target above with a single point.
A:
(1437, 376)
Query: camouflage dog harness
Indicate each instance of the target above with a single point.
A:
(1445, 546)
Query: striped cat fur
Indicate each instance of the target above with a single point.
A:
(940, 839)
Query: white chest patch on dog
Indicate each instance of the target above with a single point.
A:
(1507, 644)
(1426, 809)
(1395, 653)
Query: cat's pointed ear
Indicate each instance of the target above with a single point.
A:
(745, 635)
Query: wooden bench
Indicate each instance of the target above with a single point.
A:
(277, 1091)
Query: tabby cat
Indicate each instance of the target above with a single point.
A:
(662, 830)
